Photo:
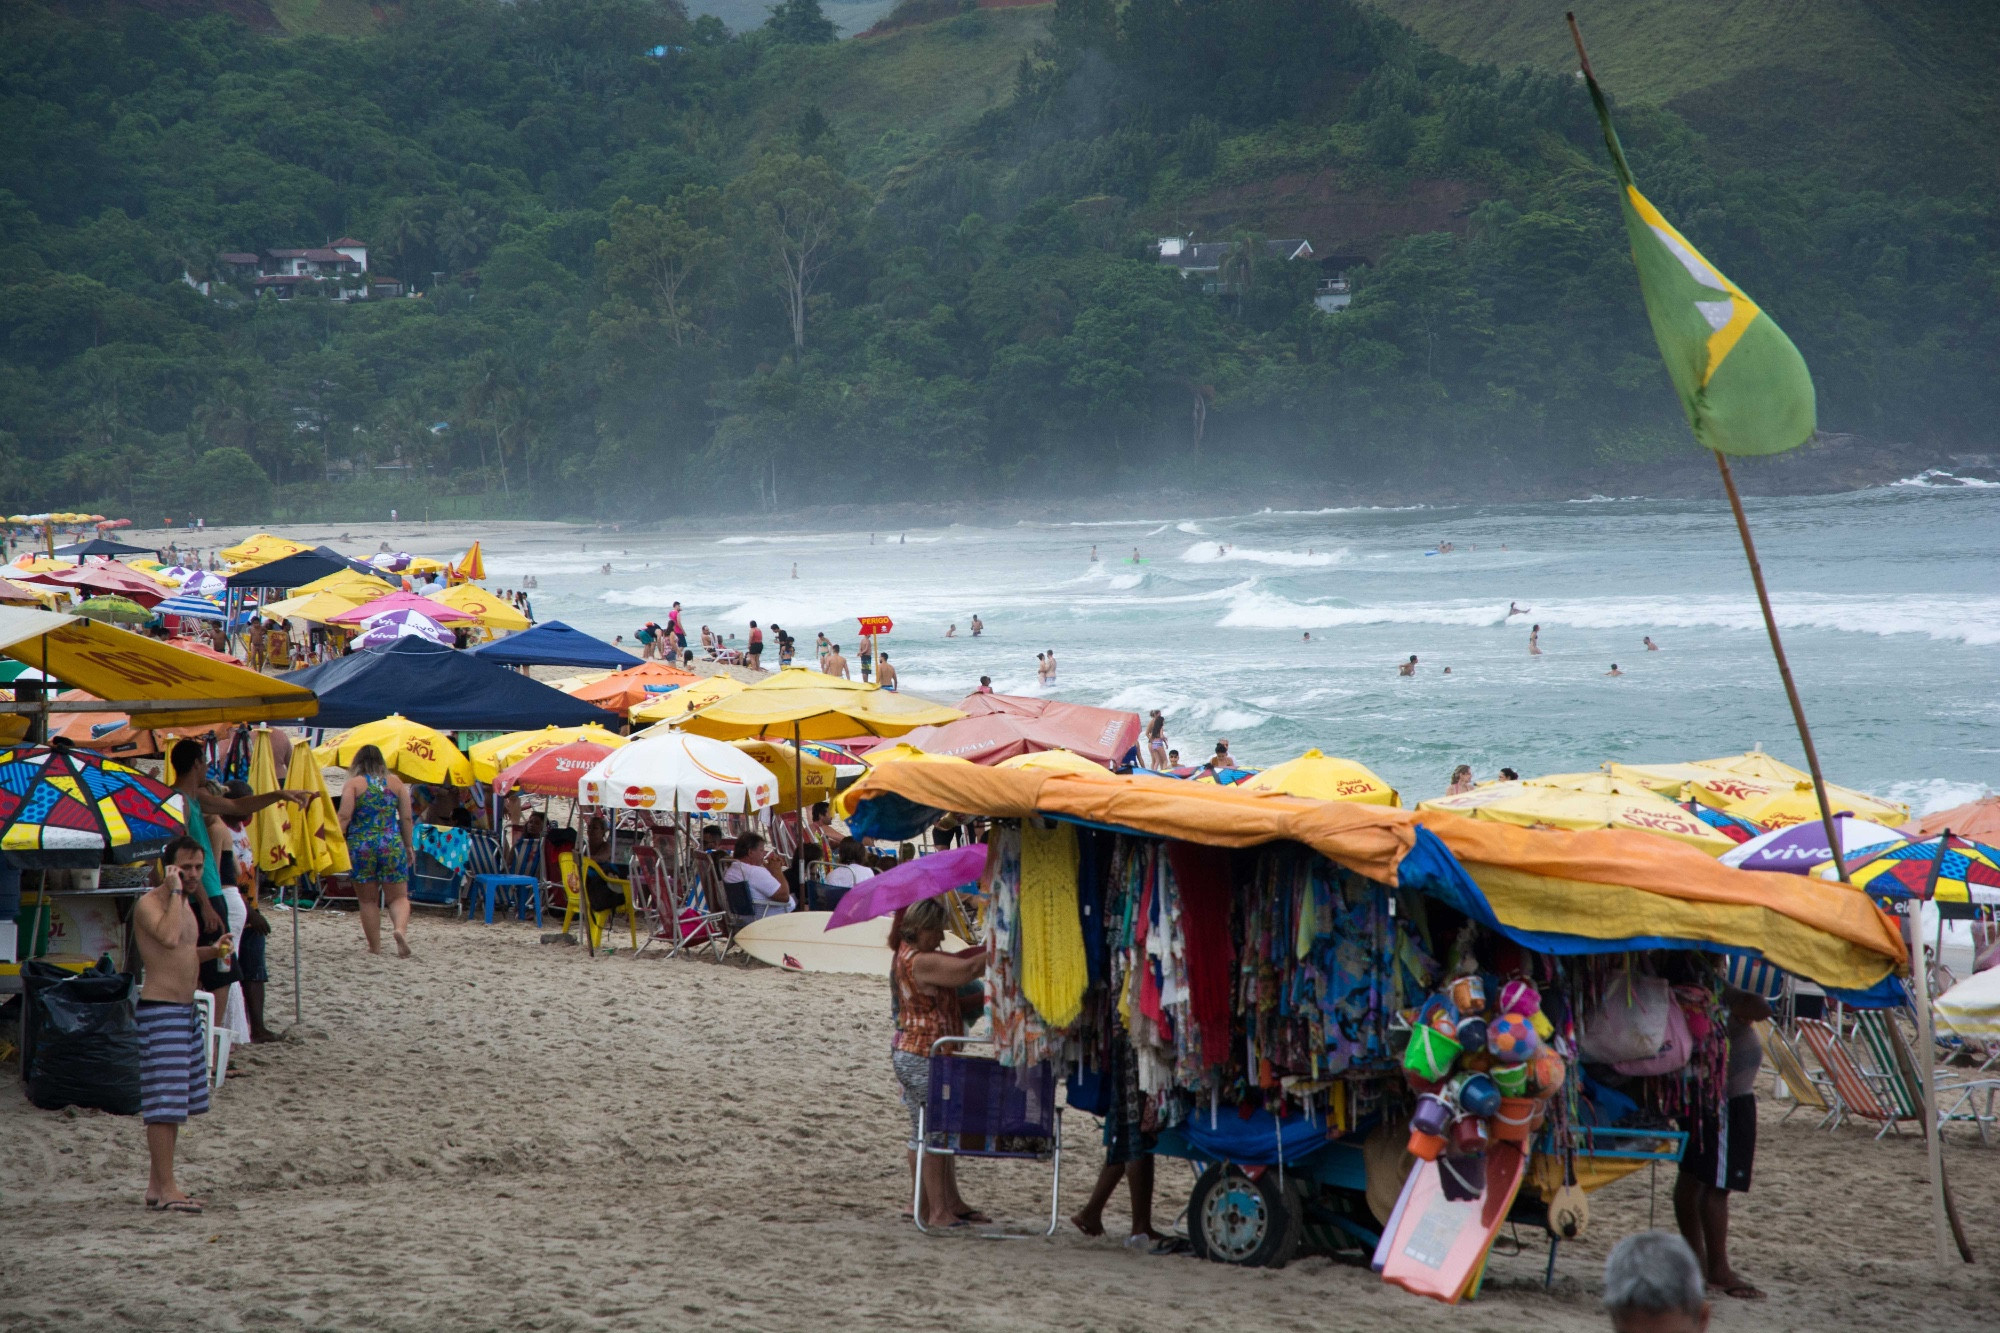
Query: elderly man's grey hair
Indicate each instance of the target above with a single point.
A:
(1656, 1272)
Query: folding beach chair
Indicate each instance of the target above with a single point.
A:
(575, 873)
(695, 923)
(1958, 1099)
(1855, 1093)
(1790, 1080)
(974, 1099)
(434, 884)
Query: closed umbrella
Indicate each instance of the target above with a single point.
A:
(412, 749)
(272, 841)
(319, 847)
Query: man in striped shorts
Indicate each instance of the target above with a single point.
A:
(173, 1068)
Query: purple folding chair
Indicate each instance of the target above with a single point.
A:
(1012, 1110)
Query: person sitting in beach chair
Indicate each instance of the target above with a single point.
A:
(755, 882)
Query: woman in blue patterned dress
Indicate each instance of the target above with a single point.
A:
(375, 814)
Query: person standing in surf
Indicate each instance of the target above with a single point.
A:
(1156, 740)
(1535, 641)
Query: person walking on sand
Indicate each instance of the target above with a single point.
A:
(754, 653)
(173, 1068)
(1535, 641)
(375, 815)
(1408, 668)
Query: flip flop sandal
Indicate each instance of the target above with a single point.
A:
(191, 1207)
(974, 1215)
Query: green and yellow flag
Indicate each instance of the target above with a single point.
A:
(1745, 388)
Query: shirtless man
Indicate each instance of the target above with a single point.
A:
(1614, 670)
(1408, 668)
(978, 625)
(1651, 647)
(952, 632)
(836, 665)
(1051, 660)
(885, 675)
(173, 1069)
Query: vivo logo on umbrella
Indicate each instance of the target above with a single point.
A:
(639, 797)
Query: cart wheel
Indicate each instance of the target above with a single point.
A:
(1233, 1219)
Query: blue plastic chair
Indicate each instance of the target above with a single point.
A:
(520, 879)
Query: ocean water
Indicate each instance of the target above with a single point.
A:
(1889, 600)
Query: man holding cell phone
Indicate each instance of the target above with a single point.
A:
(173, 1067)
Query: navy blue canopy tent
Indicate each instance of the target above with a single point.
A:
(103, 546)
(301, 568)
(556, 644)
(440, 687)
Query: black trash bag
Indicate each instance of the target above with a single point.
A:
(81, 1043)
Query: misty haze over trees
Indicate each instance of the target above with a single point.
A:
(645, 292)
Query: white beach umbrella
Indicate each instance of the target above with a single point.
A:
(679, 772)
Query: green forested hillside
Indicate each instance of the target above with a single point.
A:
(664, 268)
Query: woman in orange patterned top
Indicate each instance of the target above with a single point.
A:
(926, 983)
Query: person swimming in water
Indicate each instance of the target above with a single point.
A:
(1514, 609)
(1093, 555)
(952, 633)
(1408, 668)
(1614, 670)
(1651, 647)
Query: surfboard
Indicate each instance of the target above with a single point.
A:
(800, 942)
(1436, 1247)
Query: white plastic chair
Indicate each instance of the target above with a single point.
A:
(215, 1039)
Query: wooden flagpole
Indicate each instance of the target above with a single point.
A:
(1941, 1210)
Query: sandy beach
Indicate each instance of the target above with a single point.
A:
(505, 1134)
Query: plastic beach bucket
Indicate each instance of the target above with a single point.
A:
(1430, 1053)
(1515, 1119)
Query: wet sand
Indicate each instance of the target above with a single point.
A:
(505, 1134)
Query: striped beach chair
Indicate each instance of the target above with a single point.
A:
(1792, 1081)
(1855, 1093)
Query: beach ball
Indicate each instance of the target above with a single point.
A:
(1548, 1072)
(1520, 997)
(1468, 993)
(1511, 1039)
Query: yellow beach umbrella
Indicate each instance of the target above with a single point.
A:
(668, 710)
(1799, 804)
(1735, 793)
(471, 566)
(789, 767)
(1053, 761)
(490, 756)
(1528, 805)
(272, 838)
(412, 749)
(899, 753)
(1322, 777)
(319, 847)
(261, 549)
(799, 704)
(484, 607)
(314, 608)
(39, 564)
(351, 585)
(423, 564)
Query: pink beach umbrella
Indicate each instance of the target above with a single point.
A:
(912, 881)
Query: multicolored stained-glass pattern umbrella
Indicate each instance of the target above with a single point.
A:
(61, 800)
(1967, 872)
